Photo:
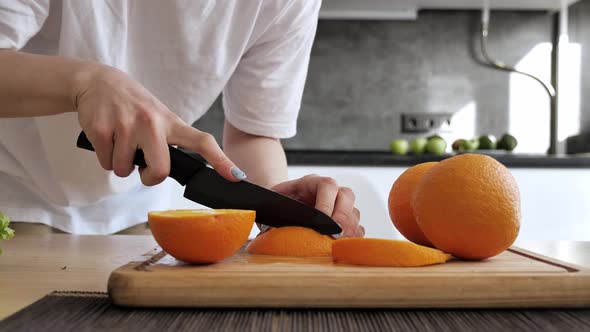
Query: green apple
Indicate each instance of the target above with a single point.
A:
(434, 136)
(418, 145)
(507, 142)
(436, 146)
(469, 145)
(399, 147)
(487, 142)
(457, 144)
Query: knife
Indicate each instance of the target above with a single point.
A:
(205, 186)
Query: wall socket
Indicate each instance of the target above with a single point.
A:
(425, 122)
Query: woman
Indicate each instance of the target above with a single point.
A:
(135, 74)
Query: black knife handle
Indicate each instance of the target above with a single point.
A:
(182, 166)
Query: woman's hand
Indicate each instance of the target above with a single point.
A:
(324, 194)
(119, 116)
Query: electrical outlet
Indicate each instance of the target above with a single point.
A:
(425, 122)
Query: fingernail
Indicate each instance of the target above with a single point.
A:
(337, 236)
(237, 173)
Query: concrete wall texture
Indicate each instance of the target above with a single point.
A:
(364, 74)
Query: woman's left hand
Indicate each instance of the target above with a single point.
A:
(324, 194)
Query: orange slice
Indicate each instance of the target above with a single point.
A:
(381, 252)
(291, 241)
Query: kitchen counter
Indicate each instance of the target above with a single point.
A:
(385, 158)
(34, 265)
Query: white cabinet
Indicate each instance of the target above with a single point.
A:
(555, 202)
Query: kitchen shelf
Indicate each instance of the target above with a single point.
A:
(386, 159)
(494, 4)
(408, 9)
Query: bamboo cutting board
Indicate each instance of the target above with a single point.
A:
(515, 278)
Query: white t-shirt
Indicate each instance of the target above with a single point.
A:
(255, 52)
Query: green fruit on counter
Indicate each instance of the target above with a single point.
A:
(469, 145)
(487, 142)
(436, 146)
(434, 136)
(457, 144)
(507, 142)
(399, 147)
(418, 145)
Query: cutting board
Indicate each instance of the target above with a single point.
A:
(515, 278)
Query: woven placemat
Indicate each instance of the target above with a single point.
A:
(79, 311)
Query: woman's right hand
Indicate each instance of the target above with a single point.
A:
(119, 116)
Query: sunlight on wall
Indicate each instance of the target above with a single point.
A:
(462, 123)
(529, 103)
(569, 84)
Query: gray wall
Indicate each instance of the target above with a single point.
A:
(579, 30)
(364, 74)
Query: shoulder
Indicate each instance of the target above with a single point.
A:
(285, 17)
(303, 5)
(20, 20)
(34, 9)
(292, 12)
(298, 10)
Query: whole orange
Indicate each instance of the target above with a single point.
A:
(400, 207)
(469, 206)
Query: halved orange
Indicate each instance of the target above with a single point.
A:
(201, 236)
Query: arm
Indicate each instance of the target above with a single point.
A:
(263, 98)
(37, 85)
(117, 113)
(262, 158)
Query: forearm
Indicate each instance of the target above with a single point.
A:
(261, 158)
(36, 85)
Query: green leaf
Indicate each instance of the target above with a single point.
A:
(5, 232)
(4, 221)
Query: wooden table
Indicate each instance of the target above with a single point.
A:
(35, 265)
(32, 266)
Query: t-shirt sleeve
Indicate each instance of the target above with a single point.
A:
(263, 95)
(20, 20)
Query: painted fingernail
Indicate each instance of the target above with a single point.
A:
(237, 173)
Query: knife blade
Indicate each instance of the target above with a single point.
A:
(205, 186)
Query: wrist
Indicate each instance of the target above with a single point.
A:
(84, 73)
